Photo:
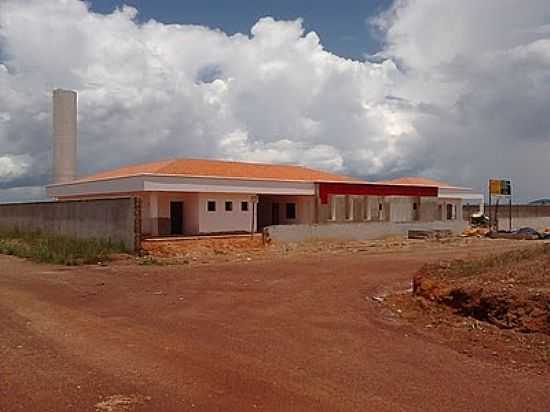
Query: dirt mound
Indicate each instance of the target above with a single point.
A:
(201, 247)
(510, 291)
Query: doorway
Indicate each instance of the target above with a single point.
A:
(176, 218)
(275, 213)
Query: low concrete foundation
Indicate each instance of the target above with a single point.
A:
(355, 231)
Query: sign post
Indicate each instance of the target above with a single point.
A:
(500, 188)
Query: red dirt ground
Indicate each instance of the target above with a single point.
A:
(496, 308)
(288, 333)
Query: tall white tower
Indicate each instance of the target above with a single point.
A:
(65, 131)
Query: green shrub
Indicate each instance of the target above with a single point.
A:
(48, 248)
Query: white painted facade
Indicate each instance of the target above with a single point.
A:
(304, 209)
(197, 218)
(280, 203)
(156, 209)
(402, 209)
(222, 220)
(157, 192)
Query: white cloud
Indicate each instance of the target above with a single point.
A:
(12, 167)
(461, 92)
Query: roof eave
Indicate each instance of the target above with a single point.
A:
(110, 178)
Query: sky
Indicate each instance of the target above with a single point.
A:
(343, 27)
(456, 90)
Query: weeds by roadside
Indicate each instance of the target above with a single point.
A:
(48, 248)
(464, 268)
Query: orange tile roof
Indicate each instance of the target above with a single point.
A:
(223, 169)
(418, 181)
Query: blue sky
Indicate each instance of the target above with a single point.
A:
(342, 26)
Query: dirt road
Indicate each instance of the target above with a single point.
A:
(290, 334)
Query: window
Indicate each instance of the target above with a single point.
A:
(415, 206)
(211, 207)
(291, 211)
(244, 206)
(228, 206)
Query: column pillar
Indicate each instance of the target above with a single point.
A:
(154, 213)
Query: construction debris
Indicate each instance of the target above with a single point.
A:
(525, 233)
(479, 220)
(476, 232)
(429, 234)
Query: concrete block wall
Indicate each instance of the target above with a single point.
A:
(355, 231)
(116, 219)
(537, 217)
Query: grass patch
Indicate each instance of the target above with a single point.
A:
(464, 268)
(62, 250)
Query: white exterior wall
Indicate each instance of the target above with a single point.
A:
(441, 213)
(222, 220)
(190, 209)
(156, 206)
(373, 212)
(305, 209)
(397, 209)
(428, 209)
(401, 209)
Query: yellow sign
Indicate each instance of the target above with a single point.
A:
(495, 186)
(500, 187)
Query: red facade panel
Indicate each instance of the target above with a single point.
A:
(373, 189)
